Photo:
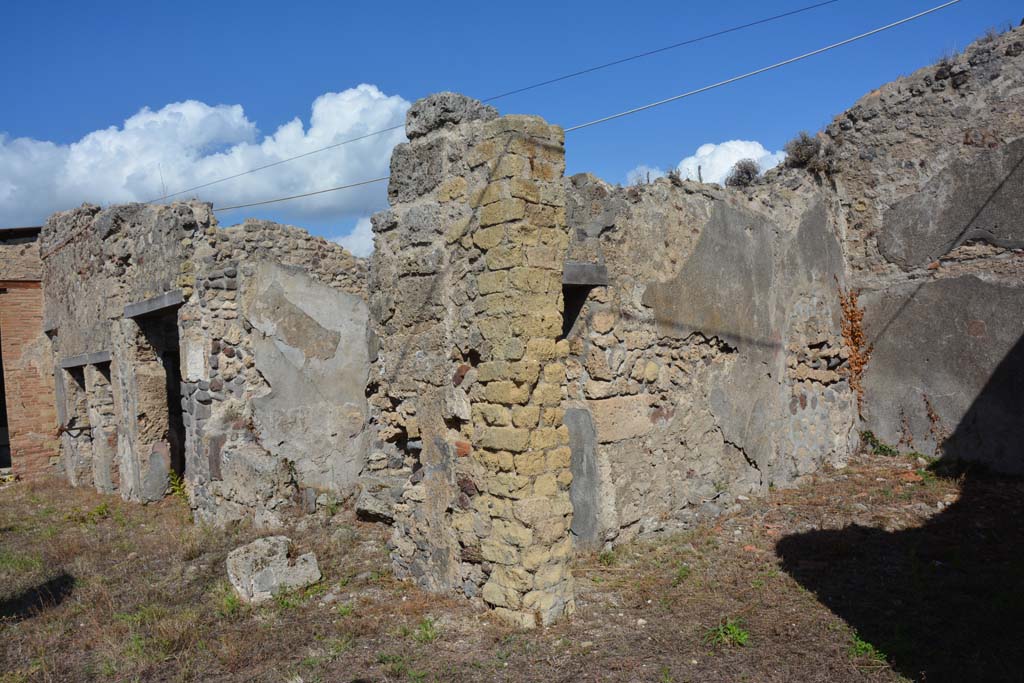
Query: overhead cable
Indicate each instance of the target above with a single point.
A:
(659, 102)
(532, 86)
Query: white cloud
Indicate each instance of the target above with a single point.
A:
(191, 143)
(360, 241)
(643, 174)
(716, 160)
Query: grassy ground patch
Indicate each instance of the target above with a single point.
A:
(92, 588)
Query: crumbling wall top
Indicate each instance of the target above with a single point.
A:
(445, 109)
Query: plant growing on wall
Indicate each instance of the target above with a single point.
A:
(855, 340)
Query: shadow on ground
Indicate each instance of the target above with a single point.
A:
(945, 601)
(33, 600)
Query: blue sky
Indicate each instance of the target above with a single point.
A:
(73, 68)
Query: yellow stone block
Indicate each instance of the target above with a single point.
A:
(565, 478)
(525, 416)
(541, 349)
(508, 485)
(506, 392)
(510, 165)
(502, 211)
(514, 578)
(511, 439)
(494, 328)
(538, 280)
(547, 170)
(562, 550)
(493, 370)
(457, 229)
(493, 192)
(450, 189)
(547, 394)
(486, 504)
(554, 373)
(651, 371)
(553, 417)
(509, 348)
(492, 414)
(531, 463)
(551, 530)
(545, 485)
(525, 371)
(504, 256)
(523, 233)
(526, 190)
(535, 556)
(545, 437)
(488, 238)
(512, 532)
(495, 594)
(559, 458)
(602, 321)
(491, 282)
(550, 575)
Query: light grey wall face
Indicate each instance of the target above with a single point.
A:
(948, 363)
(710, 364)
(310, 345)
(979, 199)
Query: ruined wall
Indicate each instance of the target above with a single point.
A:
(27, 365)
(711, 365)
(469, 379)
(276, 364)
(929, 170)
(236, 358)
(97, 261)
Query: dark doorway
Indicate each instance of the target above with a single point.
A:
(160, 364)
(5, 437)
(573, 298)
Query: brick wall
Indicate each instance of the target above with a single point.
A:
(28, 378)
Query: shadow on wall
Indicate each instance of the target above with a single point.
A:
(943, 602)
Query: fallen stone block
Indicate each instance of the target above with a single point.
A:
(262, 569)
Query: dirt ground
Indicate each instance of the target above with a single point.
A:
(882, 571)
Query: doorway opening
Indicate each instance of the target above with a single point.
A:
(5, 436)
(158, 377)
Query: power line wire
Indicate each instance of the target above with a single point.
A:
(300, 196)
(533, 86)
(762, 69)
(659, 102)
(641, 55)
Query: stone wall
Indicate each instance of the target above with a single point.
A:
(711, 366)
(469, 379)
(276, 363)
(929, 172)
(28, 392)
(234, 357)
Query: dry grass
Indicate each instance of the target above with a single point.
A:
(149, 600)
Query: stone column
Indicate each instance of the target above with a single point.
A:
(468, 385)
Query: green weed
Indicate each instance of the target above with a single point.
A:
(681, 575)
(729, 632)
(861, 648)
(426, 631)
(876, 445)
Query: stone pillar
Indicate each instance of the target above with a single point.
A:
(468, 385)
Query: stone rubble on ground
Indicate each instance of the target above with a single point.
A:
(262, 569)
